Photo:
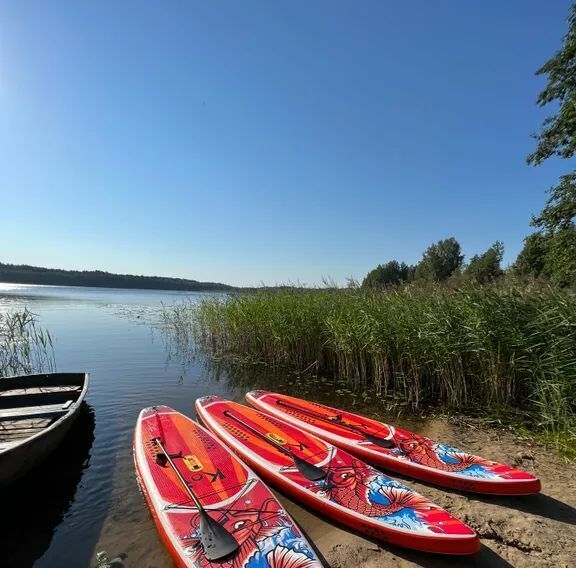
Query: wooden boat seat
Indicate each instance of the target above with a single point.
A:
(31, 399)
(53, 389)
(46, 410)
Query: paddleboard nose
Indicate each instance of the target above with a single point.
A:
(208, 399)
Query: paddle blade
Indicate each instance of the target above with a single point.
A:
(216, 541)
(308, 470)
(382, 442)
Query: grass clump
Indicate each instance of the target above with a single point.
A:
(504, 350)
(24, 346)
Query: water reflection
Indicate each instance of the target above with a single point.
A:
(33, 507)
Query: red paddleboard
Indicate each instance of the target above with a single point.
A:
(227, 489)
(350, 491)
(408, 453)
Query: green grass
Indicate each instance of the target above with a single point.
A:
(24, 346)
(506, 351)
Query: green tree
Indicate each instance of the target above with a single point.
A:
(532, 258)
(560, 209)
(486, 267)
(560, 259)
(556, 222)
(391, 273)
(558, 135)
(552, 250)
(374, 278)
(440, 261)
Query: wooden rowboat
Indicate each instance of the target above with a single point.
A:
(36, 411)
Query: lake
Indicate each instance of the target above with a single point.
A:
(86, 499)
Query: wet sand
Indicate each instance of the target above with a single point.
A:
(530, 531)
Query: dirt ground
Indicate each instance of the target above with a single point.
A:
(537, 530)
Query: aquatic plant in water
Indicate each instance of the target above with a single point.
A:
(24, 346)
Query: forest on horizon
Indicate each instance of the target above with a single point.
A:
(25, 274)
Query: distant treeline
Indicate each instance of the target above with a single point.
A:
(441, 262)
(24, 274)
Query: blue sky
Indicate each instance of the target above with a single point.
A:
(264, 141)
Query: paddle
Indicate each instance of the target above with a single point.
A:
(376, 440)
(307, 469)
(216, 541)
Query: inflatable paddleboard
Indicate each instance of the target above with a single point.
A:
(333, 482)
(236, 500)
(396, 449)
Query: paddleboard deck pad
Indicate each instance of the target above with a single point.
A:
(407, 453)
(227, 489)
(351, 492)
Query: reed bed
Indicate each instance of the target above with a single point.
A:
(509, 350)
(24, 346)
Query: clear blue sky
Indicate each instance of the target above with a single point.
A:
(268, 141)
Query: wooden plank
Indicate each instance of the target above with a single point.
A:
(24, 423)
(6, 445)
(13, 433)
(9, 431)
(36, 399)
(32, 411)
(21, 438)
(39, 390)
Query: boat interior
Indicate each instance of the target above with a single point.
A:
(28, 407)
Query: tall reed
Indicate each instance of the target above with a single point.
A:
(24, 346)
(479, 347)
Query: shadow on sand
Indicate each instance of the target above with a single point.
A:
(540, 505)
(486, 558)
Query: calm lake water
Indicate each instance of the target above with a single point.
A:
(85, 499)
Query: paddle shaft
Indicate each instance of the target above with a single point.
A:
(278, 446)
(326, 419)
(307, 469)
(179, 475)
